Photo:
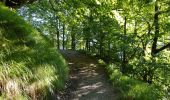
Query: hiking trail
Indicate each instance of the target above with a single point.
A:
(88, 79)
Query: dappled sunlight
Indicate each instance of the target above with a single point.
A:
(102, 91)
(70, 63)
(92, 65)
(92, 86)
(88, 77)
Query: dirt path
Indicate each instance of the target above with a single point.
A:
(88, 79)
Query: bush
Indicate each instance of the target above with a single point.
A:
(133, 89)
(30, 67)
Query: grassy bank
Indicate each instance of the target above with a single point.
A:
(132, 89)
(30, 67)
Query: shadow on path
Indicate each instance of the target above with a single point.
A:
(88, 79)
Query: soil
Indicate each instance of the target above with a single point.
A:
(88, 80)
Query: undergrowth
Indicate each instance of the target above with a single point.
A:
(30, 67)
(132, 89)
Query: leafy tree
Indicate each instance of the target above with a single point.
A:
(133, 34)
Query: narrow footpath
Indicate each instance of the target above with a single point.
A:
(88, 79)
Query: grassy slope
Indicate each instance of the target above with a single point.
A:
(29, 65)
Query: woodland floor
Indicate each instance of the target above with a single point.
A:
(88, 79)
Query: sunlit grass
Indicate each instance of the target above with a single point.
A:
(30, 67)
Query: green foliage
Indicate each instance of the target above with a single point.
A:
(131, 88)
(134, 34)
(30, 67)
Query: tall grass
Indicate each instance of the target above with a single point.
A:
(132, 89)
(30, 67)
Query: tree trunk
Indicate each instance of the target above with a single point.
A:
(135, 28)
(109, 51)
(73, 41)
(89, 48)
(155, 39)
(58, 35)
(101, 44)
(87, 44)
(63, 36)
(66, 43)
(124, 62)
(156, 23)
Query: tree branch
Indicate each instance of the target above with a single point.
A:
(162, 48)
(16, 3)
(161, 12)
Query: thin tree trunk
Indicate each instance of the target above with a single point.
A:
(58, 35)
(73, 40)
(66, 43)
(101, 44)
(135, 29)
(124, 51)
(87, 44)
(89, 48)
(144, 45)
(63, 36)
(109, 49)
(155, 39)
